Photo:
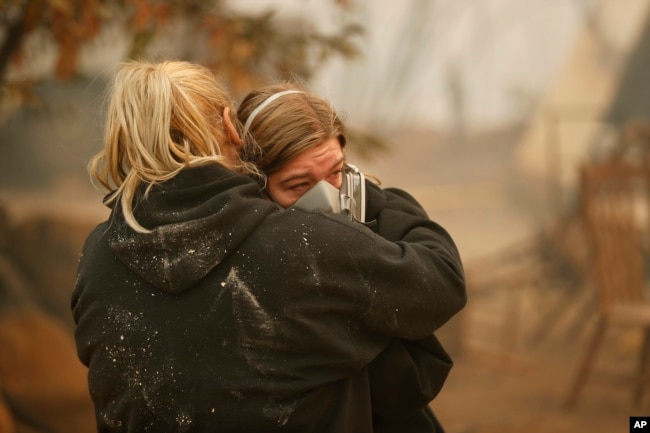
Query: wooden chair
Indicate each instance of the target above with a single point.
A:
(616, 209)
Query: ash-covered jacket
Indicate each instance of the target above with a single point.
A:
(233, 315)
(407, 375)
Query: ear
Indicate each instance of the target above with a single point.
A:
(234, 135)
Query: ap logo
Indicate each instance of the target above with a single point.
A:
(640, 424)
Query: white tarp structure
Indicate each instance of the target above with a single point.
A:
(574, 121)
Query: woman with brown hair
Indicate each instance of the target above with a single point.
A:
(298, 141)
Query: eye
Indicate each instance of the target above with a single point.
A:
(336, 177)
(337, 172)
(300, 187)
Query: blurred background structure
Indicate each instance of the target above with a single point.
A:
(486, 111)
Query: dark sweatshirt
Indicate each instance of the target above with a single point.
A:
(233, 315)
(407, 375)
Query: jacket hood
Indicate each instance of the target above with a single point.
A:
(196, 220)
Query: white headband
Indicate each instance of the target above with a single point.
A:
(262, 106)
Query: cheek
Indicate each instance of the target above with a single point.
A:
(281, 197)
(336, 183)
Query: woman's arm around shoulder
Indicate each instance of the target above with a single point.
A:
(400, 219)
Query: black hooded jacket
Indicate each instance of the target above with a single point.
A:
(407, 375)
(233, 315)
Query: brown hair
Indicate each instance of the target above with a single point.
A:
(287, 127)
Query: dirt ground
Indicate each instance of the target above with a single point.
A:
(513, 385)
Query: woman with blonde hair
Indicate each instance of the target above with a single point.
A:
(201, 306)
(161, 119)
(300, 142)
